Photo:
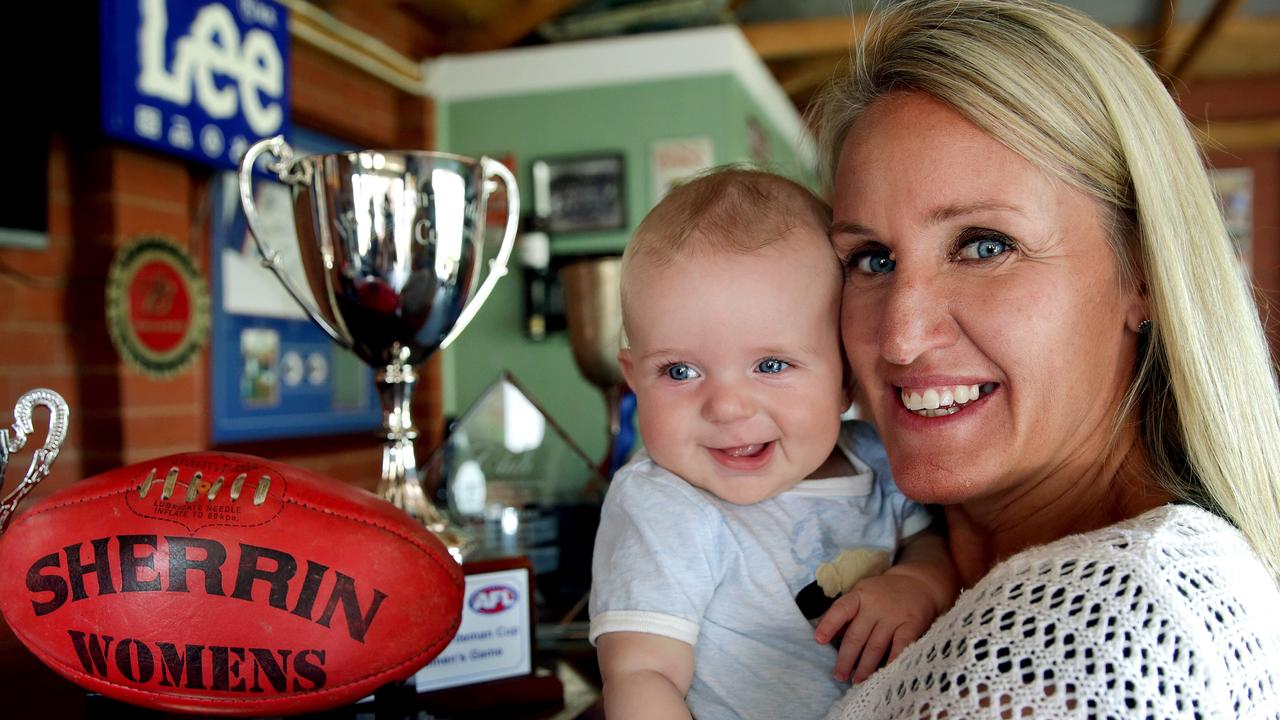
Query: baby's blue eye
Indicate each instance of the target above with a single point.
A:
(984, 247)
(772, 366)
(680, 372)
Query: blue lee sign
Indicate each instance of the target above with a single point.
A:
(203, 79)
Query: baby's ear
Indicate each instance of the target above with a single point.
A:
(624, 362)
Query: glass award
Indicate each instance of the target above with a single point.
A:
(513, 480)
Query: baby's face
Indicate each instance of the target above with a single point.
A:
(735, 361)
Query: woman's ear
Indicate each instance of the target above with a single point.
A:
(1137, 312)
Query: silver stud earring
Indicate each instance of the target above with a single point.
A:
(1144, 327)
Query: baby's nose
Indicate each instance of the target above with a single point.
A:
(728, 403)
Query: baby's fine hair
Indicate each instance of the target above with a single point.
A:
(730, 208)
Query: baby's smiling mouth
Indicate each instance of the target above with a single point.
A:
(743, 458)
(943, 399)
(743, 450)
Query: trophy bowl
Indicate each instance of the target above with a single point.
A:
(391, 244)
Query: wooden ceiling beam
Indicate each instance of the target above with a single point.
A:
(1208, 30)
(1239, 135)
(788, 39)
(1160, 35)
(1244, 46)
(801, 78)
(523, 18)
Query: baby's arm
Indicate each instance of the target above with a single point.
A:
(645, 675)
(886, 613)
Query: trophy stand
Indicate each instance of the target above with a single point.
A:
(391, 244)
(593, 309)
(401, 482)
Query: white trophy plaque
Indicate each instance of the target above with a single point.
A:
(495, 639)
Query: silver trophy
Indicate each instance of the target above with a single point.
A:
(391, 244)
(11, 441)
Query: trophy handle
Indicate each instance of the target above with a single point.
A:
(292, 174)
(497, 266)
(42, 460)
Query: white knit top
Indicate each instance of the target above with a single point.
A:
(1167, 615)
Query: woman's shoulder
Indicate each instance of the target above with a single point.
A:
(1187, 567)
(1163, 543)
(1167, 614)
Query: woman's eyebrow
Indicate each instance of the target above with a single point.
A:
(948, 212)
(841, 227)
(937, 215)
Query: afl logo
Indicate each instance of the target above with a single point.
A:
(493, 599)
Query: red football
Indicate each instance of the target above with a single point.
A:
(226, 584)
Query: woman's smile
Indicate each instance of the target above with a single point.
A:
(944, 399)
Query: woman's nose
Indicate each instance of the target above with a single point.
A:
(726, 403)
(916, 320)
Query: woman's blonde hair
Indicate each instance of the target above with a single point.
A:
(1080, 103)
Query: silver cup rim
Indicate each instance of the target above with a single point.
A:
(429, 153)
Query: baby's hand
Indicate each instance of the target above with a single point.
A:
(883, 613)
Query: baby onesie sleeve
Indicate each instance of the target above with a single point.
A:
(909, 516)
(655, 563)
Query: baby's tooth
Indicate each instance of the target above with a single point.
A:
(931, 399)
(973, 392)
(962, 394)
(945, 398)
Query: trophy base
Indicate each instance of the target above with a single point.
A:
(409, 497)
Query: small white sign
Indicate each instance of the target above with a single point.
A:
(673, 161)
(495, 638)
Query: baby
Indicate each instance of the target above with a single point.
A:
(750, 486)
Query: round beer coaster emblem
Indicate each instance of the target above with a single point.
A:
(157, 306)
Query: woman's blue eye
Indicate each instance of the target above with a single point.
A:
(984, 247)
(772, 366)
(680, 371)
(875, 262)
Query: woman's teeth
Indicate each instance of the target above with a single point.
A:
(935, 402)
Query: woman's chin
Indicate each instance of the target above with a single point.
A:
(927, 481)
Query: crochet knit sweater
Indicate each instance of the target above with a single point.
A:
(1167, 615)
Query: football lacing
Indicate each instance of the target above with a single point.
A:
(193, 488)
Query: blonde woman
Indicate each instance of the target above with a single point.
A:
(1021, 209)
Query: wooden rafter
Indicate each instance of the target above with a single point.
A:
(800, 78)
(1209, 28)
(523, 18)
(803, 38)
(1240, 135)
(1160, 35)
(1244, 46)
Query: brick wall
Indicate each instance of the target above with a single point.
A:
(102, 196)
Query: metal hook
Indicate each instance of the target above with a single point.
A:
(42, 459)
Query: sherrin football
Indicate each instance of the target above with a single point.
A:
(226, 584)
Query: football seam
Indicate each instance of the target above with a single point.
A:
(127, 504)
(415, 542)
(389, 670)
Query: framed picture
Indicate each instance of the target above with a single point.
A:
(581, 193)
